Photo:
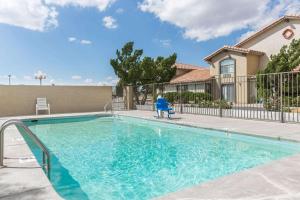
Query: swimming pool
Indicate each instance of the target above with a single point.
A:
(118, 157)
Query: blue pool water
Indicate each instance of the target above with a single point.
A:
(127, 158)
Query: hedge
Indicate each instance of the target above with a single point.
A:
(186, 97)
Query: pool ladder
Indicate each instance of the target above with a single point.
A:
(106, 106)
(46, 155)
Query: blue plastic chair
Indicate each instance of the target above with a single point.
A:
(163, 105)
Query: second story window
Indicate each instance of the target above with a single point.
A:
(227, 66)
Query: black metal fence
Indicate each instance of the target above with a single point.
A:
(273, 97)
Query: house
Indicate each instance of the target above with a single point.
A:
(189, 78)
(233, 67)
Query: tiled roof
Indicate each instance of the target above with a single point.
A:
(235, 49)
(187, 66)
(192, 76)
(287, 17)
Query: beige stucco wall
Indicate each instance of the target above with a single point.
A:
(242, 70)
(272, 40)
(240, 59)
(252, 64)
(21, 100)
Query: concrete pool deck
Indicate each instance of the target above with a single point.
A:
(22, 178)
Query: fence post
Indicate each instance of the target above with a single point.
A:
(129, 97)
(153, 96)
(281, 99)
(180, 97)
(220, 96)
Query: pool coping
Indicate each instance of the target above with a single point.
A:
(182, 194)
(164, 120)
(214, 129)
(295, 137)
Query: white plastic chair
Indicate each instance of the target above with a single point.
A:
(41, 104)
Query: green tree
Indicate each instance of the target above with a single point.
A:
(127, 64)
(286, 60)
(159, 70)
(140, 72)
(270, 85)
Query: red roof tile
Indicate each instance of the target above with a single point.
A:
(235, 49)
(192, 76)
(187, 66)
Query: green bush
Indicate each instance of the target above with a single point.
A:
(271, 104)
(187, 97)
(171, 96)
(203, 100)
(291, 101)
(223, 104)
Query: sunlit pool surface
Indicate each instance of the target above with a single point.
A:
(111, 157)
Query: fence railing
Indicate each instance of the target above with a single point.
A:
(274, 97)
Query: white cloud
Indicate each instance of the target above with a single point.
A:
(40, 15)
(85, 42)
(81, 41)
(109, 22)
(28, 78)
(100, 4)
(203, 20)
(30, 14)
(163, 43)
(76, 77)
(72, 39)
(109, 81)
(120, 11)
(88, 80)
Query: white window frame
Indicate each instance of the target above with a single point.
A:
(228, 71)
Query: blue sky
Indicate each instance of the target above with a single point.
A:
(73, 41)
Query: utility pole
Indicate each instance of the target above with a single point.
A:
(9, 79)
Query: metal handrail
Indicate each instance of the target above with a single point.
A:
(106, 105)
(46, 155)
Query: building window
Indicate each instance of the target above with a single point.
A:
(184, 88)
(228, 92)
(227, 66)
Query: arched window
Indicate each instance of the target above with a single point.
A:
(227, 66)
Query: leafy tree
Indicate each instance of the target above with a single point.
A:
(159, 70)
(127, 64)
(134, 70)
(269, 85)
(286, 60)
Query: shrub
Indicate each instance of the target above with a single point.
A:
(222, 103)
(272, 104)
(187, 97)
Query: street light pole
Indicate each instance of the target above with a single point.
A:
(40, 76)
(9, 79)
